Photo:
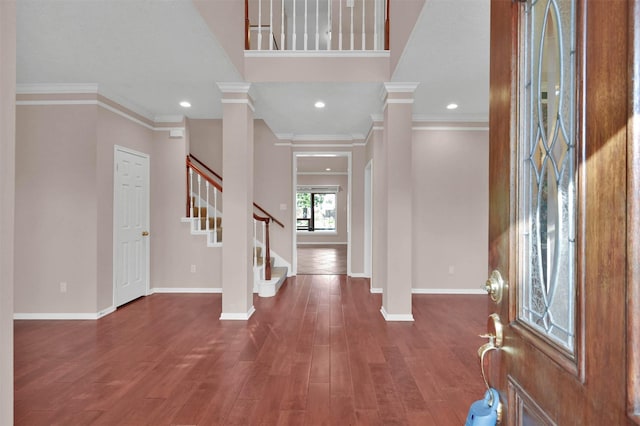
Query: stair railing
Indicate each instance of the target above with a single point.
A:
(192, 159)
(204, 194)
(316, 25)
(203, 198)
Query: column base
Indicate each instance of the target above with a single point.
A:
(395, 317)
(232, 316)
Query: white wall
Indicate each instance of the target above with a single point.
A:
(450, 212)
(7, 186)
(56, 204)
(173, 248)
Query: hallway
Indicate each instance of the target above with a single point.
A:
(317, 353)
(330, 259)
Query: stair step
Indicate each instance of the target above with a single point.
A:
(214, 222)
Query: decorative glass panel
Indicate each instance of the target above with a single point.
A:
(547, 171)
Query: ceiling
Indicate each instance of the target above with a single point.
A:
(151, 54)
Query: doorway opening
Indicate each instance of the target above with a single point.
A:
(322, 219)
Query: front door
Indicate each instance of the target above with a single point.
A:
(131, 224)
(562, 228)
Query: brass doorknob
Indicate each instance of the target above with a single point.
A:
(494, 286)
(145, 233)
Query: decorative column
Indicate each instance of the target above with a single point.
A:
(397, 139)
(237, 201)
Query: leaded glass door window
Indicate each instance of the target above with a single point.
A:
(547, 172)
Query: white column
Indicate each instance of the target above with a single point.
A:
(237, 201)
(397, 140)
(7, 203)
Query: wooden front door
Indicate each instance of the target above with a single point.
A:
(564, 221)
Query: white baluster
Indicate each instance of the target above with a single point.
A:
(190, 192)
(340, 27)
(255, 244)
(206, 216)
(364, 6)
(199, 223)
(306, 18)
(264, 249)
(375, 25)
(351, 30)
(317, 26)
(282, 46)
(215, 214)
(295, 36)
(329, 24)
(270, 24)
(259, 24)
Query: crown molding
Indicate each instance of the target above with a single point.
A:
(234, 87)
(56, 89)
(398, 87)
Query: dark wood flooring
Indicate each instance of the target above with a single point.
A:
(319, 353)
(330, 259)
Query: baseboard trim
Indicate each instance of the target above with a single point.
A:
(447, 291)
(396, 317)
(56, 316)
(237, 316)
(320, 243)
(185, 290)
(105, 312)
(359, 275)
(375, 290)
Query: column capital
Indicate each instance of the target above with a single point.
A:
(400, 87)
(234, 87)
(237, 93)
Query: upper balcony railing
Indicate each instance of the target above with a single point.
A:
(325, 25)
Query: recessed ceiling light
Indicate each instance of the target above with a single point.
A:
(185, 104)
(328, 169)
(319, 104)
(452, 106)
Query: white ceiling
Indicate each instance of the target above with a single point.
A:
(150, 54)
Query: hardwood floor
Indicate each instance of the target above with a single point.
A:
(330, 259)
(318, 353)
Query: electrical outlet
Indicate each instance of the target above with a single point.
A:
(63, 287)
(283, 207)
(452, 270)
(193, 268)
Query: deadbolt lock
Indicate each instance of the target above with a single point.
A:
(495, 286)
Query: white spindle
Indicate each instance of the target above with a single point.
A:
(215, 214)
(264, 249)
(255, 245)
(329, 24)
(351, 29)
(259, 24)
(282, 46)
(306, 18)
(199, 202)
(190, 192)
(295, 36)
(206, 216)
(364, 6)
(270, 24)
(375, 25)
(340, 29)
(317, 26)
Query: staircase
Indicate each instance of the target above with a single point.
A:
(204, 214)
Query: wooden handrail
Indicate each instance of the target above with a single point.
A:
(207, 168)
(204, 175)
(190, 156)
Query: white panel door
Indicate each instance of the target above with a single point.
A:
(131, 227)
